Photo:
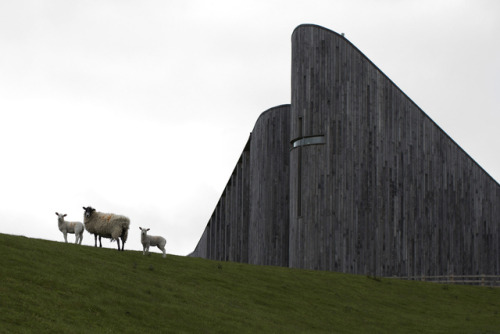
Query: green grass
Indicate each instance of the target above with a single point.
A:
(52, 287)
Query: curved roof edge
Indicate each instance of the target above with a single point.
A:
(270, 110)
(310, 25)
(273, 109)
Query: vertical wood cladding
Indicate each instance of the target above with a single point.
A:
(354, 177)
(389, 193)
(269, 188)
(250, 221)
(226, 235)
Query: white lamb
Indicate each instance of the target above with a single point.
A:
(106, 225)
(70, 227)
(150, 240)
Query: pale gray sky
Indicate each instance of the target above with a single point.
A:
(142, 108)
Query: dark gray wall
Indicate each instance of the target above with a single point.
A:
(389, 193)
(354, 177)
(250, 221)
(269, 188)
(226, 235)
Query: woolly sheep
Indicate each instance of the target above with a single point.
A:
(70, 227)
(150, 240)
(106, 225)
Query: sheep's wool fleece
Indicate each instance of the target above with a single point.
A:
(107, 225)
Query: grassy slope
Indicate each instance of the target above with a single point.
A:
(55, 287)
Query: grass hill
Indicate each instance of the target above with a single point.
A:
(52, 287)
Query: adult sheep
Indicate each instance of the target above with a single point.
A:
(106, 225)
(151, 240)
(70, 227)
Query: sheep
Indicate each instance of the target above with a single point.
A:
(70, 227)
(106, 225)
(150, 240)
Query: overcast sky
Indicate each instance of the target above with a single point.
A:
(142, 108)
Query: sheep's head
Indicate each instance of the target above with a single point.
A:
(88, 211)
(144, 231)
(61, 215)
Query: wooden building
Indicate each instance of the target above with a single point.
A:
(354, 177)
(250, 221)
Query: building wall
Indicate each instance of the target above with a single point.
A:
(250, 221)
(388, 193)
(226, 234)
(269, 188)
(354, 177)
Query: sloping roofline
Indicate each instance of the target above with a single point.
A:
(309, 25)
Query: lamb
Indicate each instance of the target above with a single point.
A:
(70, 227)
(106, 225)
(150, 240)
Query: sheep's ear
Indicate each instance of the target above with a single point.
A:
(140, 228)
(148, 229)
(64, 215)
(84, 208)
(57, 214)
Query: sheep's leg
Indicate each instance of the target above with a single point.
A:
(95, 240)
(65, 237)
(163, 250)
(123, 236)
(118, 242)
(81, 238)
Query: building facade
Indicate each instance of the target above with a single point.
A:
(354, 177)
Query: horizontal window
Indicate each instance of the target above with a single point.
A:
(309, 141)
